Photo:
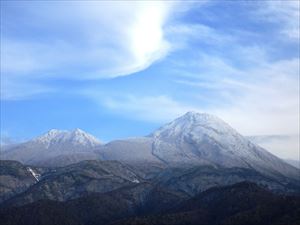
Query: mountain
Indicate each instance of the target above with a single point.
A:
(198, 139)
(15, 178)
(241, 203)
(77, 180)
(295, 163)
(73, 146)
(196, 179)
(130, 150)
(88, 177)
(96, 208)
(206, 138)
(77, 138)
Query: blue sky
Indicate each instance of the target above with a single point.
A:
(120, 69)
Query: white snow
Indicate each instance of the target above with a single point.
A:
(75, 137)
(136, 181)
(34, 174)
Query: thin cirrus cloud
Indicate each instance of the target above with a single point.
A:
(285, 12)
(84, 40)
(156, 109)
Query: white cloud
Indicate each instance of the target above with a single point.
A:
(147, 108)
(20, 89)
(182, 34)
(270, 105)
(84, 40)
(6, 139)
(256, 101)
(287, 13)
(285, 147)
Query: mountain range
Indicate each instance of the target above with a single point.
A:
(185, 169)
(193, 139)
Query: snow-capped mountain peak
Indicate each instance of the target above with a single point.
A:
(78, 131)
(193, 122)
(204, 119)
(199, 130)
(76, 137)
(79, 136)
(55, 147)
(49, 136)
(199, 117)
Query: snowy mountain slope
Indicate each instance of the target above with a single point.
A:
(199, 139)
(193, 180)
(53, 144)
(203, 136)
(204, 139)
(294, 163)
(131, 150)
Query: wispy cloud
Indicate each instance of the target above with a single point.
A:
(286, 147)
(285, 13)
(260, 100)
(150, 108)
(6, 139)
(84, 40)
(21, 88)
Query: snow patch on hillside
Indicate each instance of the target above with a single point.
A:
(34, 174)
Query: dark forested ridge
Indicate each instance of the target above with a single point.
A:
(241, 203)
